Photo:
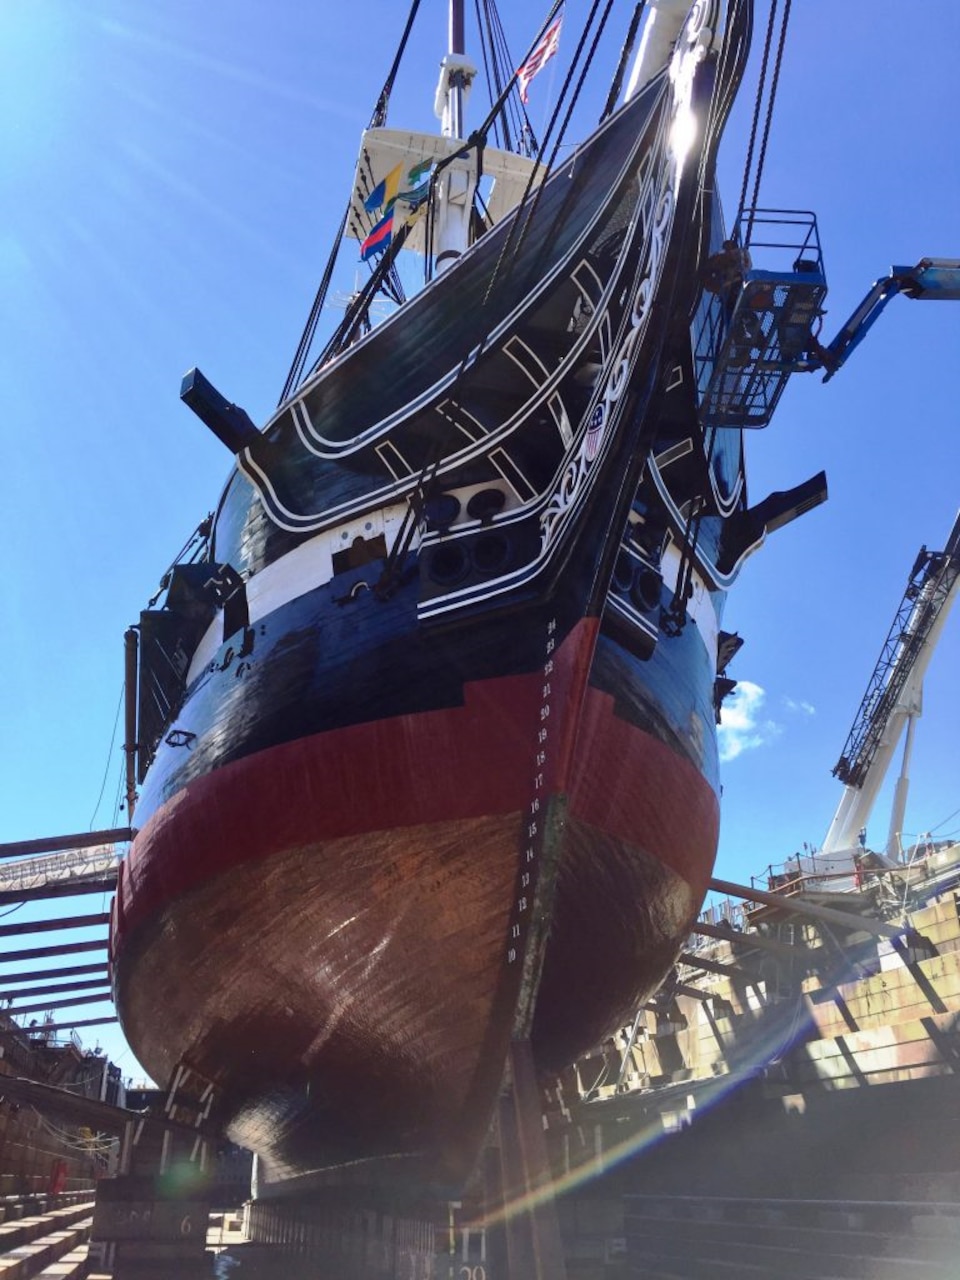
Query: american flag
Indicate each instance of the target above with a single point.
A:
(544, 51)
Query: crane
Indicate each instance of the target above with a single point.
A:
(893, 699)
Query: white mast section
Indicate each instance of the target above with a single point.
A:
(458, 180)
(663, 22)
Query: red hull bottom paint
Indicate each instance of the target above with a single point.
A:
(639, 846)
(287, 929)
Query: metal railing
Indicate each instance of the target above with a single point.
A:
(750, 337)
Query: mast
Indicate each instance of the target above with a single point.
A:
(663, 20)
(456, 27)
(458, 180)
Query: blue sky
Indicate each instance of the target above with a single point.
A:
(170, 178)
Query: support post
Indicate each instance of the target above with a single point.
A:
(851, 920)
(758, 941)
(131, 650)
(534, 1246)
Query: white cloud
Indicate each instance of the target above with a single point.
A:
(798, 705)
(742, 727)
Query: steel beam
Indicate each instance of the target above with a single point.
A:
(56, 844)
(534, 1246)
(682, 989)
(48, 926)
(62, 949)
(60, 889)
(796, 906)
(100, 1116)
(624, 1061)
(46, 1027)
(40, 975)
(87, 985)
(17, 1011)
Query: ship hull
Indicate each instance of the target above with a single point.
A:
(323, 928)
(419, 784)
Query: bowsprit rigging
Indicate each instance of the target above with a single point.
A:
(510, 126)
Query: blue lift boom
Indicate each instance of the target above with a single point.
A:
(930, 278)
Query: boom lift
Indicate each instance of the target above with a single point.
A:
(749, 337)
(931, 278)
(893, 699)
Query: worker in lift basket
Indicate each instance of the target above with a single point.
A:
(723, 274)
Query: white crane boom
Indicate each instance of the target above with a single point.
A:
(893, 696)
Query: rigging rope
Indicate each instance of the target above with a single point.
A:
(498, 70)
(757, 106)
(770, 102)
(106, 771)
(625, 53)
(525, 211)
(490, 67)
(377, 120)
(758, 103)
(379, 116)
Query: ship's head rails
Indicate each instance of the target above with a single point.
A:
(376, 751)
(659, 673)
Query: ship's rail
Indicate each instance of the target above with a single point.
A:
(724, 913)
(930, 863)
(813, 873)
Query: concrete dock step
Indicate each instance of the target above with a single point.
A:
(709, 1238)
(45, 1245)
(72, 1266)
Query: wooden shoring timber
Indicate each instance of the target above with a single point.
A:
(48, 926)
(757, 941)
(49, 1028)
(683, 989)
(41, 975)
(534, 1245)
(795, 905)
(715, 966)
(61, 949)
(57, 988)
(18, 1010)
(78, 1109)
(59, 844)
